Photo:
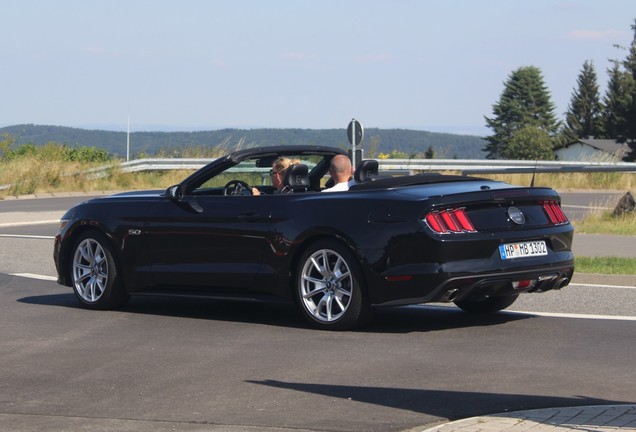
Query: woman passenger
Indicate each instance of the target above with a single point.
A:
(277, 173)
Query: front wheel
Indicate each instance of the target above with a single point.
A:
(94, 273)
(486, 304)
(328, 287)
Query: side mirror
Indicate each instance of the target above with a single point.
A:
(175, 192)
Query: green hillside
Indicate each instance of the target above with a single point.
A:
(410, 142)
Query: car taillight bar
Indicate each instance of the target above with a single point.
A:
(554, 212)
(450, 221)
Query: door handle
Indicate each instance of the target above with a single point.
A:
(250, 217)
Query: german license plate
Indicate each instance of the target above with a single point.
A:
(522, 250)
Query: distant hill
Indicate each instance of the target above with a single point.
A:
(411, 142)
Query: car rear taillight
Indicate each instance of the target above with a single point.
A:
(554, 212)
(449, 221)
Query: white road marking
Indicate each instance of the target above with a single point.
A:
(35, 276)
(571, 315)
(28, 236)
(17, 224)
(532, 313)
(602, 286)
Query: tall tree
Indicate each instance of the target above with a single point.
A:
(630, 68)
(616, 103)
(525, 101)
(583, 117)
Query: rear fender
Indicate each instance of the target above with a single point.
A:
(309, 238)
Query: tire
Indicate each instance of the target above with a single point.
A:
(95, 274)
(486, 305)
(328, 289)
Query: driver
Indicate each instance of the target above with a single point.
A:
(277, 173)
(341, 172)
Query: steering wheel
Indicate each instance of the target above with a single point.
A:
(237, 187)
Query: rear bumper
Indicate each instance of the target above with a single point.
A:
(426, 283)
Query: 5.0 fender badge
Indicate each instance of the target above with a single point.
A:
(516, 215)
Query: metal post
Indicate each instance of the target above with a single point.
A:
(128, 141)
(353, 143)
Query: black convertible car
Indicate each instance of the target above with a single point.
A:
(386, 241)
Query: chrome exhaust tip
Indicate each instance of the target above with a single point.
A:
(450, 295)
(561, 283)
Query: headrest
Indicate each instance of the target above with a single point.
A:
(366, 170)
(296, 178)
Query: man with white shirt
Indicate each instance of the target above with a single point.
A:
(341, 172)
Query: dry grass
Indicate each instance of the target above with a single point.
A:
(570, 181)
(26, 176)
(30, 175)
(605, 265)
(605, 223)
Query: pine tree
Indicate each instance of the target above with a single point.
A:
(630, 68)
(525, 101)
(583, 118)
(616, 104)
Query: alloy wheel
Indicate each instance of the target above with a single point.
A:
(90, 270)
(326, 285)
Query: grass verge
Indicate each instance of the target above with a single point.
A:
(606, 223)
(25, 176)
(605, 265)
(571, 181)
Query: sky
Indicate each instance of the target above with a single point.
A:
(190, 65)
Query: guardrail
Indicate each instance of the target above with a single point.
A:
(158, 164)
(487, 166)
(465, 166)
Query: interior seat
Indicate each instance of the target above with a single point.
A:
(366, 170)
(296, 179)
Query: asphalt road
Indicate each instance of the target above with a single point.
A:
(193, 365)
(577, 204)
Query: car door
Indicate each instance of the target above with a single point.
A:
(208, 242)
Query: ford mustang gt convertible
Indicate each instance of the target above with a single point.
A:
(387, 241)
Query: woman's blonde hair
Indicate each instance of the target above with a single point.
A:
(281, 164)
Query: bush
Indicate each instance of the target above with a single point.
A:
(51, 152)
(87, 154)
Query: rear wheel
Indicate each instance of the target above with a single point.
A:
(94, 273)
(486, 304)
(328, 287)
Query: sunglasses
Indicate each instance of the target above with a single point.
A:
(272, 172)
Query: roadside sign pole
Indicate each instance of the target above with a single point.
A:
(353, 143)
(128, 141)
(355, 133)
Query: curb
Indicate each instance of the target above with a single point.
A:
(598, 418)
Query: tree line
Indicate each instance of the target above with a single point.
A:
(402, 143)
(525, 126)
